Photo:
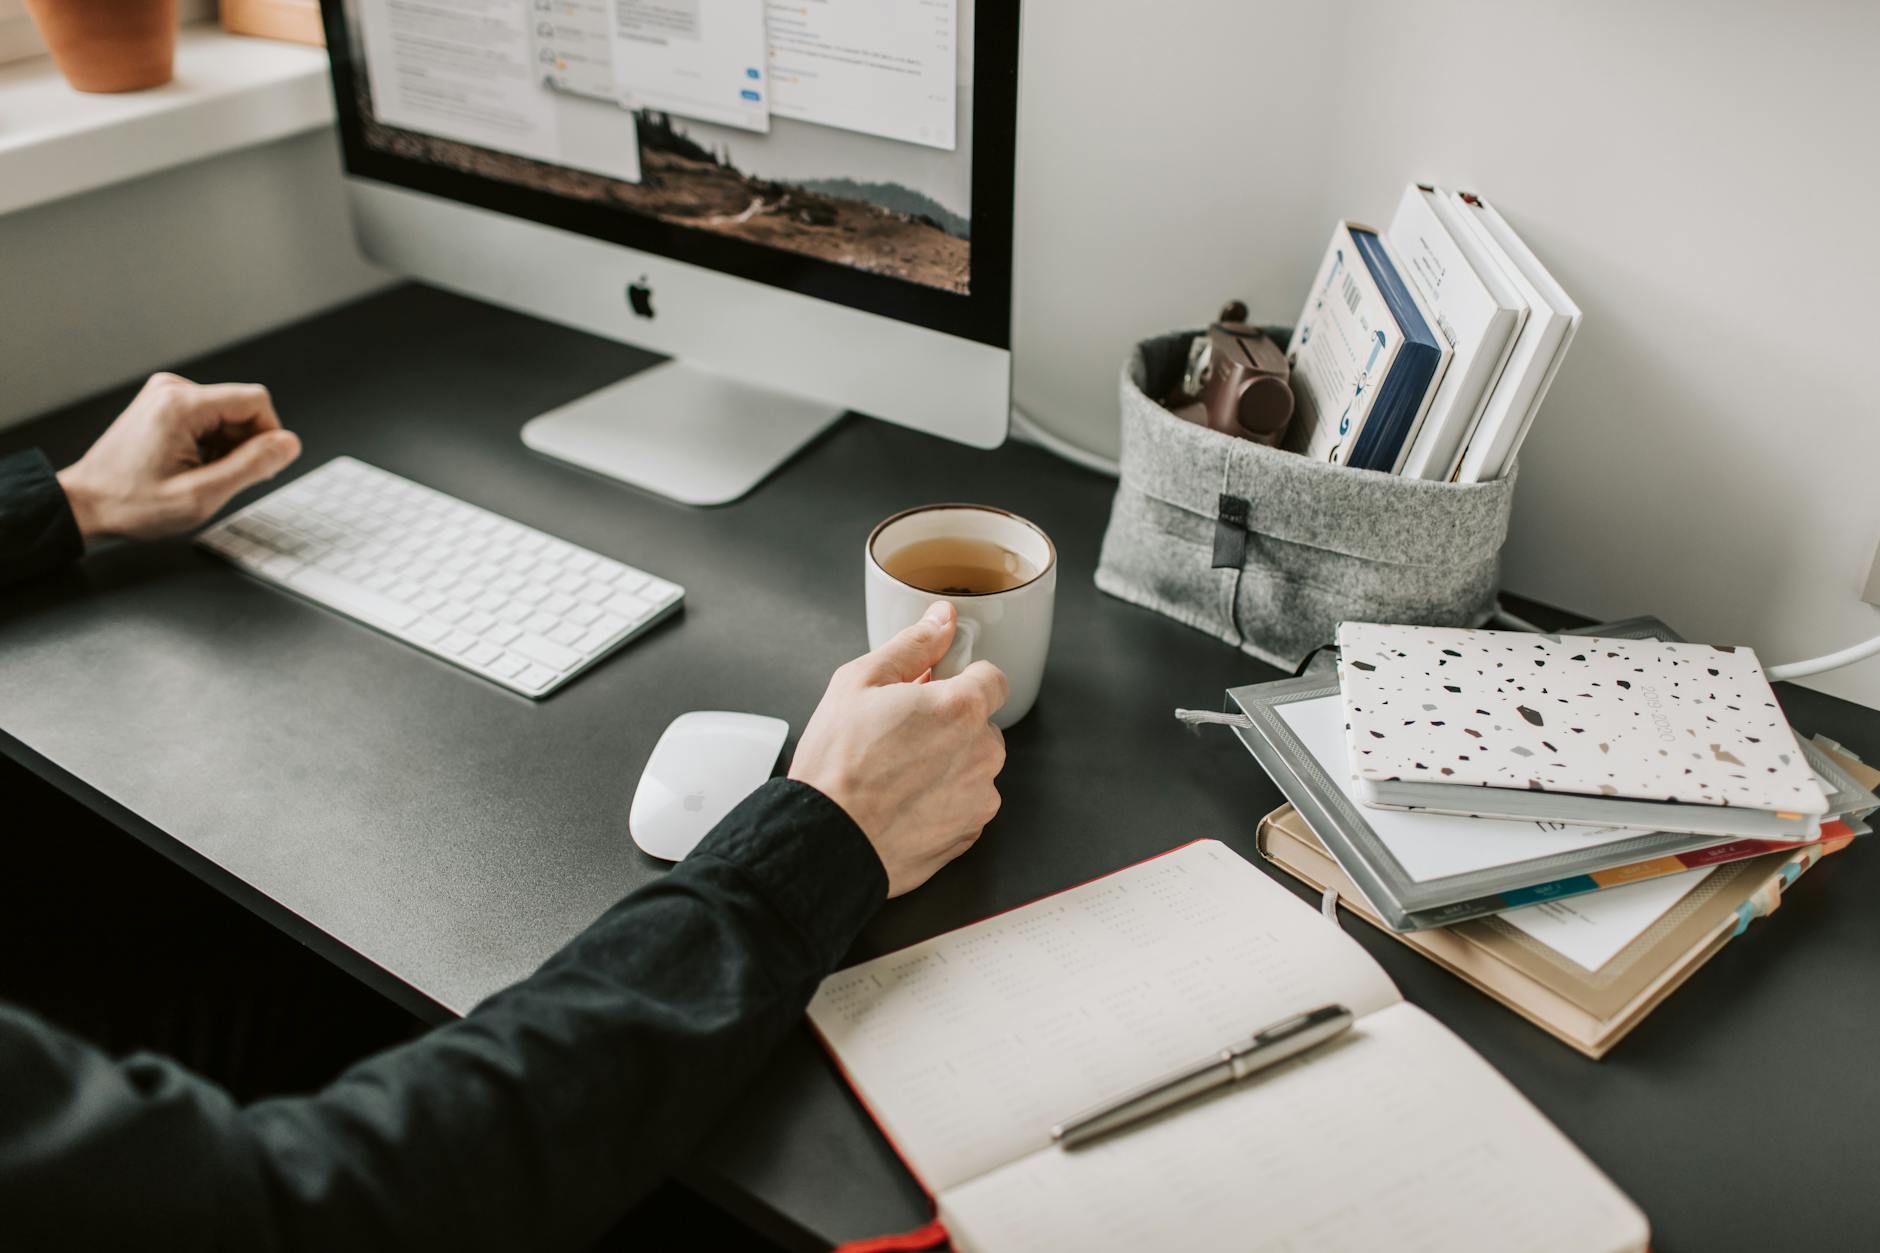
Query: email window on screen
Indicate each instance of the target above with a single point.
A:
(883, 67)
(697, 59)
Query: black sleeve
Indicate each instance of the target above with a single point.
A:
(532, 1123)
(37, 531)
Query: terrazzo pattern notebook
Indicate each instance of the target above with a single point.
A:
(1577, 728)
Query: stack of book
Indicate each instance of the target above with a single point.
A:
(1574, 822)
(1426, 349)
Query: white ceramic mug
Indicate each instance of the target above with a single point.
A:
(1011, 629)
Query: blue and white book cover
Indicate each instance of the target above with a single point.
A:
(1343, 344)
(1404, 395)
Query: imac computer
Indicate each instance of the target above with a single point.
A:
(806, 204)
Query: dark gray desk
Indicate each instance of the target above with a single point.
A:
(438, 836)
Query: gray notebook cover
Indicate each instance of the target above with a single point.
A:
(1409, 904)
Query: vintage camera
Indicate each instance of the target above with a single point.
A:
(1237, 381)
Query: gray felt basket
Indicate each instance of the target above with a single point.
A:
(1270, 551)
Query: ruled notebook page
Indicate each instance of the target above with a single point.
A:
(969, 1047)
(1397, 1136)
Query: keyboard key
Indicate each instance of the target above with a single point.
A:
(482, 653)
(632, 608)
(430, 631)
(592, 639)
(567, 633)
(658, 591)
(583, 615)
(608, 627)
(569, 584)
(508, 665)
(477, 622)
(457, 641)
(535, 678)
(629, 580)
(542, 622)
(558, 604)
(502, 633)
(546, 651)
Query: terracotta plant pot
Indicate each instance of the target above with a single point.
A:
(109, 45)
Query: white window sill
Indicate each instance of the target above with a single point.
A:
(230, 92)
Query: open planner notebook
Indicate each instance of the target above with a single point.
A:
(969, 1047)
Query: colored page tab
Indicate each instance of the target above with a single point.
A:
(1640, 870)
(1518, 897)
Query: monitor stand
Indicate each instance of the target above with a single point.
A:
(696, 437)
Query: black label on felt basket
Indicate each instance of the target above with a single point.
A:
(1230, 533)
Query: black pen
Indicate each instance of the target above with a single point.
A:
(1287, 1038)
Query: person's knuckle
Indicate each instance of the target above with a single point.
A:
(959, 702)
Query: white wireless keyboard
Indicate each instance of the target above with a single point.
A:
(502, 600)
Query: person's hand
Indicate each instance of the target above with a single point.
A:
(175, 456)
(910, 759)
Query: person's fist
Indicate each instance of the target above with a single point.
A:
(911, 759)
(175, 456)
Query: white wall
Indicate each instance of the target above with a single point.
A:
(1698, 175)
(100, 288)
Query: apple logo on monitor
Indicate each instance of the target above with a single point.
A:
(640, 296)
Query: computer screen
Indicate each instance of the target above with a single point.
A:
(827, 146)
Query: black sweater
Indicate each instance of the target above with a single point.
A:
(532, 1123)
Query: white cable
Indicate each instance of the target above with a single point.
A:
(1027, 429)
(1819, 665)
(1207, 717)
(1793, 670)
